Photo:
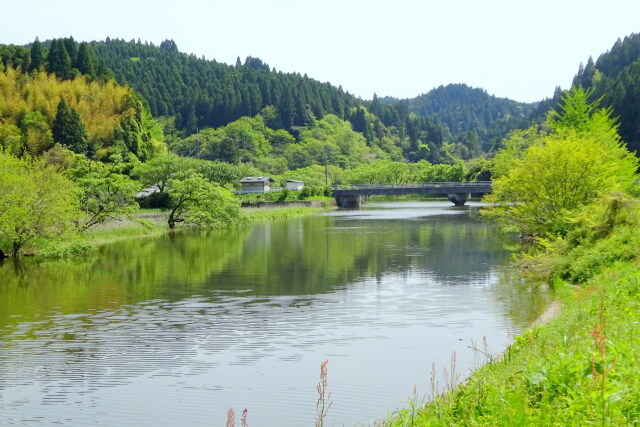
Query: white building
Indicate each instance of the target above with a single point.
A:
(256, 184)
(295, 185)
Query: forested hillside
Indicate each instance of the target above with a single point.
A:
(615, 77)
(449, 123)
(471, 113)
(203, 93)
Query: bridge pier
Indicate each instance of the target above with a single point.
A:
(459, 199)
(349, 201)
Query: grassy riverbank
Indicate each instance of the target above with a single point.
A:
(145, 223)
(580, 369)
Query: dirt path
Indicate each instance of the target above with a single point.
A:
(548, 315)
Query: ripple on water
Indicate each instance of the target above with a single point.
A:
(186, 360)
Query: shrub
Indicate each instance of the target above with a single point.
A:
(154, 201)
(75, 248)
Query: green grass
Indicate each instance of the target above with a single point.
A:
(580, 369)
(127, 231)
(270, 214)
(84, 244)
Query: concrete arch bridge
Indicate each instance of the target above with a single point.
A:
(350, 196)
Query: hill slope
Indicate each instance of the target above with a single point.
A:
(202, 93)
(615, 77)
(465, 109)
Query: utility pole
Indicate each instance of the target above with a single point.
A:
(326, 170)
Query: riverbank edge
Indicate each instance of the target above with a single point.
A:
(147, 224)
(576, 364)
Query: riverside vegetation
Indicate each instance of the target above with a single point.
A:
(580, 209)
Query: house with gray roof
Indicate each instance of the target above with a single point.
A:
(256, 184)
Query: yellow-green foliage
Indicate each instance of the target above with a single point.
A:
(386, 171)
(556, 178)
(543, 180)
(101, 106)
(36, 202)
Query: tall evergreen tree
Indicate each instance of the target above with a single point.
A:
(38, 55)
(104, 73)
(169, 45)
(72, 48)
(86, 61)
(59, 61)
(69, 130)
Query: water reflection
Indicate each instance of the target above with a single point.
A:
(182, 327)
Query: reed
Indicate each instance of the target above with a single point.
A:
(324, 399)
(231, 418)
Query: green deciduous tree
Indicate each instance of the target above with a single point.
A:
(556, 178)
(515, 148)
(196, 200)
(103, 193)
(158, 170)
(10, 138)
(581, 161)
(35, 202)
(37, 136)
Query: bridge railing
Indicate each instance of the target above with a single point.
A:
(469, 185)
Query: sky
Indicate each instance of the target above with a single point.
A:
(517, 49)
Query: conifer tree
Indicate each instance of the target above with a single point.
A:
(68, 129)
(169, 45)
(87, 62)
(59, 61)
(72, 48)
(38, 55)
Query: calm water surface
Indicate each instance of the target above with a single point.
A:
(175, 330)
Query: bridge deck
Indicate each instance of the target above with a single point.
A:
(479, 187)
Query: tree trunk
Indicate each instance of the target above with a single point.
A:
(16, 249)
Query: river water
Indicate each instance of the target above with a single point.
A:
(178, 329)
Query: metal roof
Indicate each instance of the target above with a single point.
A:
(250, 179)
